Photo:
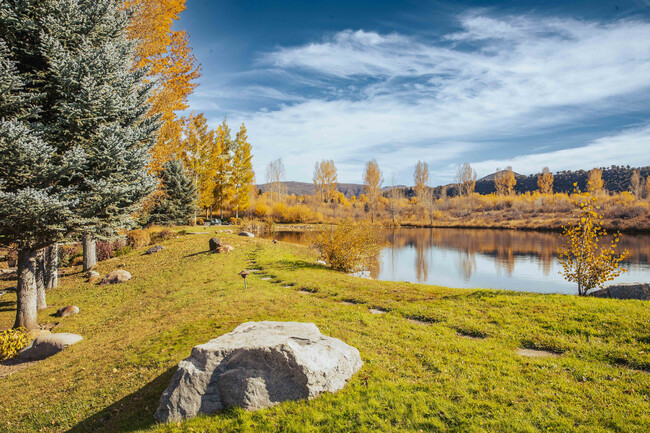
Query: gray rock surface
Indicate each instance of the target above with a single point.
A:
(49, 344)
(625, 291)
(67, 311)
(248, 234)
(214, 243)
(155, 249)
(115, 277)
(257, 365)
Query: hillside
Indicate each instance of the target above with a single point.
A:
(305, 188)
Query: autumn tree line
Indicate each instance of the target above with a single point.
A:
(458, 204)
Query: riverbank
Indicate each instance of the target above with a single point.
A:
(435, 358)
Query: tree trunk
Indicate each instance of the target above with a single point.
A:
(26, 305)
(52, 267)
(40, 279)
(90, 253)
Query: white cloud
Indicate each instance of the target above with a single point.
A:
(629, 147)
(399, 98)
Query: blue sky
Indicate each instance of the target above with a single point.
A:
(522, 83)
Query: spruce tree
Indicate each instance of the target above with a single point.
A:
(177, 204)
(74, 138)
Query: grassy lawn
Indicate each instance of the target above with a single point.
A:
(436, 359)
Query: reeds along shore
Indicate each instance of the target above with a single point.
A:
(531, 210)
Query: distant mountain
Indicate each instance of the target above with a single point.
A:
(616, 179)
(305, 188)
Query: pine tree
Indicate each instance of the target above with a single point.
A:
(83, 152)
(177, 204)
(242, 174)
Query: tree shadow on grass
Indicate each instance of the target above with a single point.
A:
(7, 306)
(200, 253)
(293, 265)
(131, 413)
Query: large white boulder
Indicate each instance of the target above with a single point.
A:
(257, 365)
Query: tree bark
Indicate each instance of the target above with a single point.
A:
(41, 257)
(52, 267)
(26, 305)
(90, 253)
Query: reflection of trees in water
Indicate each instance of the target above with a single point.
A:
(466, 264)
(504, 246)
(421, 263)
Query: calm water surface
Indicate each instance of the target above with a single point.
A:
(499, 259)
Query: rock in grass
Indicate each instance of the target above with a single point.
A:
(257, 365)
(67, 311)
(155, 249)
(49, 344)
(225, 248)
(115, 277)
(214, 243)
(639, 291)
(247, 234)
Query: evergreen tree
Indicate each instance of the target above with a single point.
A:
(77, 164)
(177, 204)
(242, 173)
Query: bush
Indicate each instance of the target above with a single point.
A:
(123, 250)
(349, 246)
(69, 253)
(12, 341)
(138, 238)
(105, 250)
(162, 235)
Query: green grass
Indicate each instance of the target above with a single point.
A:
(420, 374)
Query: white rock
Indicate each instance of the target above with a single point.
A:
(257, 365)
(118, 276)
(247, 234)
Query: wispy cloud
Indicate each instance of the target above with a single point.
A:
(464, 97)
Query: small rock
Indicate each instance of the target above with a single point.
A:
(155, 249)
(535, 353)
(225, 248)
(67, 311)
(95, 279)
(3, 292)
(247, 234)
(91, 273)
(214, 243)
(115, 277)
(320, 262)
(258, 365)
(49, 344)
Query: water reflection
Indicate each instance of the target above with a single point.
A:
(515, 260)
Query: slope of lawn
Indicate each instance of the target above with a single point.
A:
(436, 359)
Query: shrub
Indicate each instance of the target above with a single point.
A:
(162, 235)
(68, 254)
(123, 250)
(261, 210)
(349, 246)
(105, 250)
(138, 238)
(12, 341)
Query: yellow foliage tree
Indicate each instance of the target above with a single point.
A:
(199, 151)
(545, 181)
(505, 181)
(168, 56)
(325, 180)
(242, 173)
(421, 179)
(465, 180)
(595, 180)
(647, 187)
(584, 258)
(223, 166)
(372, 181)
